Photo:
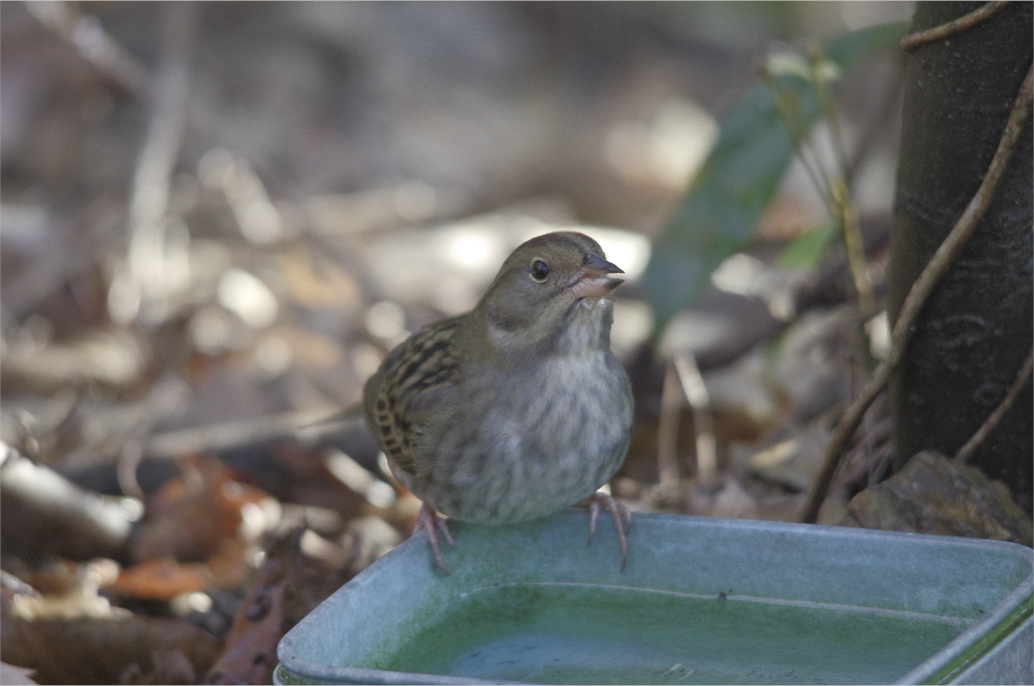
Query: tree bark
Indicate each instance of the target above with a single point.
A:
(976, 329)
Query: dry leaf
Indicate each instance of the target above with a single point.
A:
(162, 579)
(98, 651)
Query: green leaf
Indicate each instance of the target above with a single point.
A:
(850, 49)
(806, 250)
(741, 175)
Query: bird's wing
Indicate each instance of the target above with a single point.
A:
(414, 374)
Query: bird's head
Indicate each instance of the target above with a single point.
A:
(548, 284)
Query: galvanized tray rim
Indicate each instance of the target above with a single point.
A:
(953, 659)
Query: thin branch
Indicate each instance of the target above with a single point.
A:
(129, 461)
(93, 43)
(813, 167)
(824, 97)
(918, 294)
(833, 187)
(667, 437)
(703, 424)
(305, 425)
(952, 27)
(841, 205)
(846, 212)
(992, 421)
(149, 202)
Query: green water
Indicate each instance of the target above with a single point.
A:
(571, 634)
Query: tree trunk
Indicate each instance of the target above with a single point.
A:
(976, 329)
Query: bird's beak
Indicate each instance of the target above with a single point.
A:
(591, 281)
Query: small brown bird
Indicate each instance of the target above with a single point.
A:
(518, 408)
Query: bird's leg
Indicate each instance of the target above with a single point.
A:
(618, 511)
(429, 520)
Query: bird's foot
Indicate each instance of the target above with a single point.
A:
(429, 520)
(618, 511)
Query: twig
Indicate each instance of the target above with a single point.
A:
(824, 97)
(846, 212)
(989, 425)
(696, 393)
(667, 437)
(785, 110)
(158, 155)
(306, 425)
(832, 187)
(841, 205)
(46, 512)
(93, 43)
(129, 461)
(920, 291)
(952, 27)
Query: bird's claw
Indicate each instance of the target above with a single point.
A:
(618, 511)
(429, 520)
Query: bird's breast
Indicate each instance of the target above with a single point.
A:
(585, 400)
(529, 442)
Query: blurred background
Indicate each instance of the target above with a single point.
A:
(217, 218)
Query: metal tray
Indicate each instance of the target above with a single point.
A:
(702, 600)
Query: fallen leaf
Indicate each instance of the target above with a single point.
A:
(249, 655)
(98, 651)
(189, 517)
(167, 667)
(162, 579)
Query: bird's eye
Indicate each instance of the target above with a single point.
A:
(539, 271)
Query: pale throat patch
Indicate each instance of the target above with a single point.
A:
(590, 303)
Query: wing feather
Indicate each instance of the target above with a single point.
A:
(418, 368)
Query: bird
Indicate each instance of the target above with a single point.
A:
(518, 408)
